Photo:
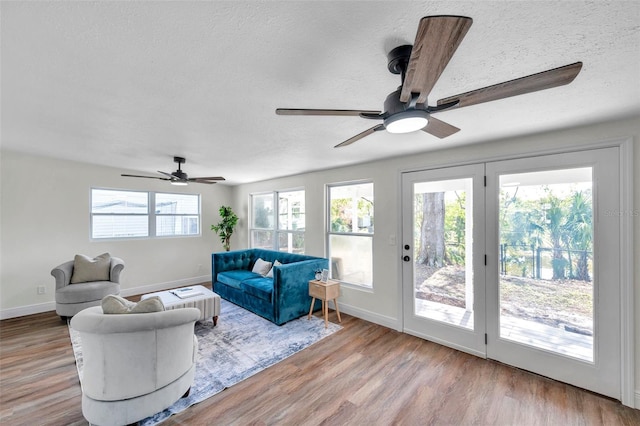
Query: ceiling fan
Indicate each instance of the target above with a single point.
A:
(179, 177)
(406, 110)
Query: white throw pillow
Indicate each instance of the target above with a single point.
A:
(152, 304)
(86, 269)
(270, 273)
(261, 267)
(113, 304)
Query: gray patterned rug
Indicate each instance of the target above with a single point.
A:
(241, 345)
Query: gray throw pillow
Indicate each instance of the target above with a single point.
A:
(113, 304)
(86, 269)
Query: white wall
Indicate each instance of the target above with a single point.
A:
(383, 305)
(45, 221)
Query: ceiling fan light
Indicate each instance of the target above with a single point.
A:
(179, 183)
(406, 121)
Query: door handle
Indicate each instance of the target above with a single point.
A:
(406, 258)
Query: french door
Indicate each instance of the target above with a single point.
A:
(553, 274)
(443, 267)
(518, 261)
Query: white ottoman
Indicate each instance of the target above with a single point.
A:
(195, 296)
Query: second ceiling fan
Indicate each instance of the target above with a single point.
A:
(406, 110)
(179, 177)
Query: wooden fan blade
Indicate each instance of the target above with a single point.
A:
(532, 83)
(439, 128)
(437, 39)
(146, 177)
(208, 178)
(361, 135)
(334, 112)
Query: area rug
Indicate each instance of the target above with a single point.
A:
(241, 345)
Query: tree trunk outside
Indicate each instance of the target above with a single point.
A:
(570, 263)
(558, 262)
(432, 250)
(583, 267)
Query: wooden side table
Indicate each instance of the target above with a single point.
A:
(325, 292)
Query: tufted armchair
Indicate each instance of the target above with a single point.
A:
(135, 365)
(72, 298)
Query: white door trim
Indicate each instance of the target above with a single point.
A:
(627, 299)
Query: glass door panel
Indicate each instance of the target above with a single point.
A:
(442, 251)
(546, 260)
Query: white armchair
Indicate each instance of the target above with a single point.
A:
(135, 365)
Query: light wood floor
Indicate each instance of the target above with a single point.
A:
(363, 375)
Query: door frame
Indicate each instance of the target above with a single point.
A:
(627, 300)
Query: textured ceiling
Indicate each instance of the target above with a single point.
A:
(131, 84)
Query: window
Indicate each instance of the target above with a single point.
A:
(177, 214)
(350, 233)
(127, 214)
(287, 232)
(291, 218)
(262, 220)
(119, 214)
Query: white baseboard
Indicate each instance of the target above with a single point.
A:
(373, 317)
(152, 288)
(22, 311)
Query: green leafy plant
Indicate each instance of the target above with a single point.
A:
(226, 226)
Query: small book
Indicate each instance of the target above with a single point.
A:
(184, 293)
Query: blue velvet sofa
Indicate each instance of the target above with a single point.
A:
(279, 299)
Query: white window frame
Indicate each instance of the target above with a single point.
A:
(151, 215)
(156, 215)
(330, 233)
(275, 231)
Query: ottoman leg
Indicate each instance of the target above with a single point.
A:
(215, 320)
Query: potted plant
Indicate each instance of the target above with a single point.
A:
(226, 226)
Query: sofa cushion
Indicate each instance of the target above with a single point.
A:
(261, 267)
(235, 277)
(261, 288)
(86, 269)
(86, 292)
